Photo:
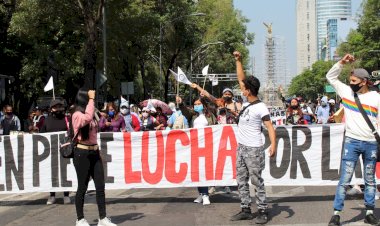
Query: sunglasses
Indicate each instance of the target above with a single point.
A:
(146, 111)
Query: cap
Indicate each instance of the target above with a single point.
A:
(145, 109)
(227, 90)
(36, 108)
(360, 73)
(332, 101)
(56, 102)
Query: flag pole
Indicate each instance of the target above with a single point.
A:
(204, 82)
(53, 94)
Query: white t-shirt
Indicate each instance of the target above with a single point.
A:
(250, 122)
(200, 122)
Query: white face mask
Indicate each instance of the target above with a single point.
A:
(124, 111)
(145, 114)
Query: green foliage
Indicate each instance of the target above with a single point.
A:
(311, 82)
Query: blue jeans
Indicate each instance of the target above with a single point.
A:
(352, 150)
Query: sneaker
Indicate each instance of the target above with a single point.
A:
(105, 222)
(66, 200)
(262, 218)
(199, 199)
(244, 214)
(51, 200)
(82, 222)
(227, 190)
(206, 200)
(335, 220)
(211, 190)
(371, 219)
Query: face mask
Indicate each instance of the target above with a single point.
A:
(46, 115)
(302, 105)
(9, 113)
(227, 99)
(355, 87)
(145, 114)
(323, 104)
(58, 114)
(124, 111)
(294, 106)
(198, 108)
(111, 114)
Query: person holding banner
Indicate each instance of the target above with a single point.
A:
(114, 122)
(55, 123)
(359, 138)
(199, 117)
(250, 158)
(87, 160)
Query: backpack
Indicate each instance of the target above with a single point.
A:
(179, 122)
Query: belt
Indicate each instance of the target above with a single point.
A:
(88, 147)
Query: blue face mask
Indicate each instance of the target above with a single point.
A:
(198, 108)
(111, 114)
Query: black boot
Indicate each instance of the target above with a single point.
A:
(244, 214)
(262, 218)
(371, 219)
(335, 220)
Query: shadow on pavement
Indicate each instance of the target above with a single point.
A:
(127, 217)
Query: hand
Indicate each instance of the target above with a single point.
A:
(348, 58)
(194, 85)
(237, 55)
(91, 94)
(178, 99)
(272, 151)
(108, 124)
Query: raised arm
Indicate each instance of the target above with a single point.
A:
(204, 92)
(239, 69)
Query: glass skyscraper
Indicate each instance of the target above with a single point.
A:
(325, 10)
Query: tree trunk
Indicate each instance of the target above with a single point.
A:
(172, 61)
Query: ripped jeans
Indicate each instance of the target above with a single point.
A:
(352, 150)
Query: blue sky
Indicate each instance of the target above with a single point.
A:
(282, 15)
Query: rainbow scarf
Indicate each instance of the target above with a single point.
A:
(370, 110)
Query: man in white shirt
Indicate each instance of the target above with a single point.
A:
(250, 159)
(359, 138)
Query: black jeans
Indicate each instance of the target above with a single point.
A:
(88, 163)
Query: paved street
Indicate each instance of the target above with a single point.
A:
(288, 206)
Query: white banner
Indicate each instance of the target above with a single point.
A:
(307, 155)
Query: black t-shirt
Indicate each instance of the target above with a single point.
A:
(53, 124)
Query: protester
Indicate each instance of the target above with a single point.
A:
(250, 159)
(199, 117)
(149, 122)
(114, 122)
(332, 111)
(131, 121)
(136, 111)
(10, 122)
(38, 120)
(359, 139)
(307, 113)
(28, 123)
(161, 118)
(87, 160)
(177, 120)
(294, 115)
(55, 123)
(323, 111)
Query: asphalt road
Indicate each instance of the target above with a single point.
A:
(288, 206)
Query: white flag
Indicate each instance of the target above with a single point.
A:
(49, 85)
(180, 77)
(205, 71)
(215, 81)
(150, 106)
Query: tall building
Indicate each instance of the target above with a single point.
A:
(325, 10)
(332, 38)
(307, 52)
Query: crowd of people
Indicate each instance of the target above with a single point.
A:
(82, 121)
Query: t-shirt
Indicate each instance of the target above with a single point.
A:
(200, 122)
(250, 123)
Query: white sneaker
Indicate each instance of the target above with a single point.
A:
(82, 222)
(206, 200)
(105, 222)
(199, 199)
(66, 200)
(51, 200)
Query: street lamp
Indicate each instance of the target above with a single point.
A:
(161, 27)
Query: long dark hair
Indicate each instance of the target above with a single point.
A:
(81, 101)
(207, 109)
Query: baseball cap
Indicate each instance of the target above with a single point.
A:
(56, 102)
(360, 73)
(227, 90)
(332, 101)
